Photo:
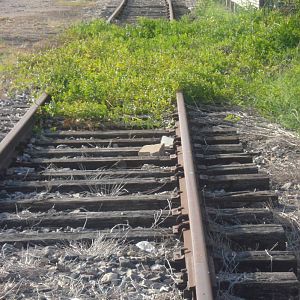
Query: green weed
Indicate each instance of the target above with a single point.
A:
(123, 73)
(232, 118)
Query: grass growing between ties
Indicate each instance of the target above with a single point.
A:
(250, 58)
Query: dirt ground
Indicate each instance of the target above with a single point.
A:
(27, 26)
(31, 23)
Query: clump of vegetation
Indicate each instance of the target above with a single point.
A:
(250, 58)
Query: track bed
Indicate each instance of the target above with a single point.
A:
(249, 246)
(70, 195)
(90, 192)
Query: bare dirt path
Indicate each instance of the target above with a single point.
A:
(25, 24)
(30, 25)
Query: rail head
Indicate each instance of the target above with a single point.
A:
(171, 10)
(199, 272)
(116, 12)
(19, 133)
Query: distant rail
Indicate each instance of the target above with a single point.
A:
(129, 10)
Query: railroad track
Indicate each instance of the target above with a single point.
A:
(192, 186)
(248, 245)
(71, 185)
(130, 10)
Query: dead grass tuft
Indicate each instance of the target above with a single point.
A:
(49, 272)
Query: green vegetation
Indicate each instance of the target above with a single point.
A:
(250, 58)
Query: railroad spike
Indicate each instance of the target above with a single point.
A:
(177, 211)
(187, 294)
(173, 156)
(177, 229)
(182, 218)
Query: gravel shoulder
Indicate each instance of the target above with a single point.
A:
(277, 153)
(103, 269)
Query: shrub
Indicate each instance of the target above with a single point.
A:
(112, 73)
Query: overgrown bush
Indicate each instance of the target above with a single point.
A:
(104, 71)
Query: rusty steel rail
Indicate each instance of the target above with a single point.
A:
(19, 133)
(117, 12)
(195, 251)
(171, 11)
(121, 6)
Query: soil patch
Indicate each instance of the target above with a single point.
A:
(28, 24)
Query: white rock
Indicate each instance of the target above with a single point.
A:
(164, 289)
(109, 277)
(146, 246)
(157, 267)
(287, 186)
(48, 251)
(167, 141)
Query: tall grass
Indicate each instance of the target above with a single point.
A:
(250, 58)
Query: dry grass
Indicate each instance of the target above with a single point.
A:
(107, 189)
(40, 272)
(100, 247)
(291, 221)
(278, 147)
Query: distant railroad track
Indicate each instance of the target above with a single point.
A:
(130, 10)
